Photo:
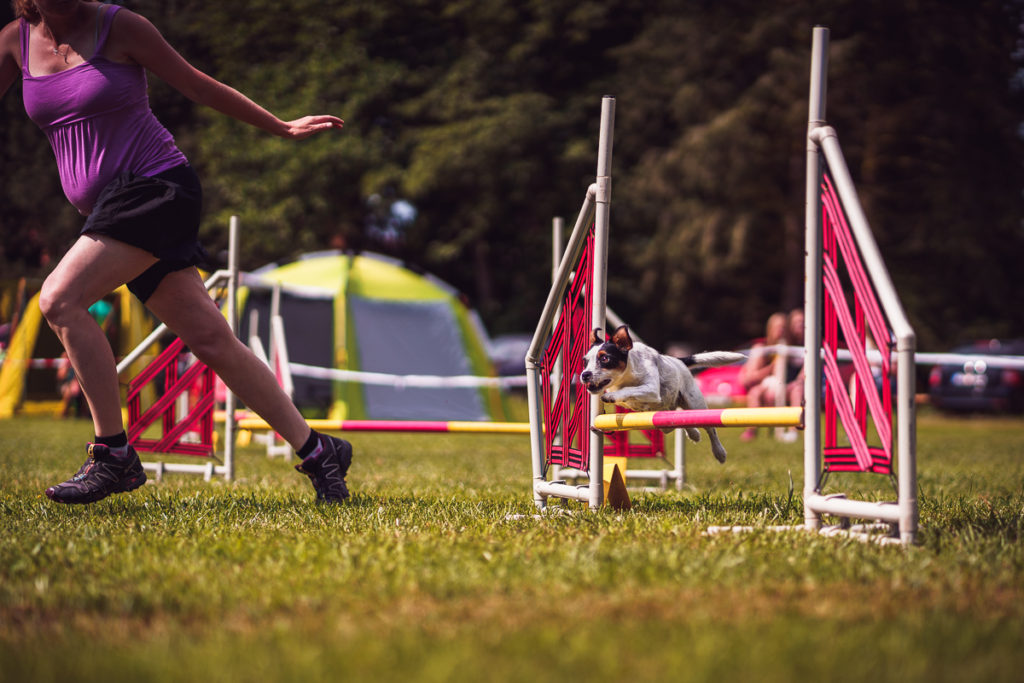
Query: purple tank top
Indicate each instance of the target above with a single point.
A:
(97, 118)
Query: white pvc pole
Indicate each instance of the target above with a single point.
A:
(275, 311)
(599, 281)
(577, 240)
(229, 401)
(679, 448)
(812, 279)
(557, 238)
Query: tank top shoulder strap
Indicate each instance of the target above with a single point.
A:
(104, 20)
(23, 29)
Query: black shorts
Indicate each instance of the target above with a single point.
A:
(159, 214)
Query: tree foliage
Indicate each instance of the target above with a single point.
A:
(483, 117)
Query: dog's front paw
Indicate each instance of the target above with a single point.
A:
(607, 398)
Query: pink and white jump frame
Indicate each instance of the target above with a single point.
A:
(823, 143)
(596, 208)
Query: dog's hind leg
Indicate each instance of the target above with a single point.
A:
(692, 399)
(717, 449)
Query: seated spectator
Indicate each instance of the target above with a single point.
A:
(759, 365)
(773, 375)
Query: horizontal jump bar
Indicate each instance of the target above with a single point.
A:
(465, 427)
(723, 417)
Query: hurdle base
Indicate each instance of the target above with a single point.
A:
(839, 506)
(560, 489)
(274, 449)
(879, 533)
(884, 528)
(208, 470)
(662, 477)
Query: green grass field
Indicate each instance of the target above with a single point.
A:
(422, 576)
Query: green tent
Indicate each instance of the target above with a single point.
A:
(374, 314)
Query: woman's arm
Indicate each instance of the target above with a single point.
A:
(134, 38)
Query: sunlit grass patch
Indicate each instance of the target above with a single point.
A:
(437, 570)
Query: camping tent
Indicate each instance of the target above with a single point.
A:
(371, 313)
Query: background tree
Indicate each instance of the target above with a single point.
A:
(470, 125)
(714, 111)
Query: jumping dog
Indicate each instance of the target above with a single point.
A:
(635, 376)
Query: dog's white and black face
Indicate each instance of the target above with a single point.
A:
(606, 361)
(633, 375)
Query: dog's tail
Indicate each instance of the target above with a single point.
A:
(712, 359)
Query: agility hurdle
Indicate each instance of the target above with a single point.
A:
(560, 418)
(165, 410)
(620, 445)
(838, 233)
(843, 263)
(560, 412)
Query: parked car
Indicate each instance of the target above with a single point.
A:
(977, 384)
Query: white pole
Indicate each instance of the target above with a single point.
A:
(906, 415)
(599, 281)
(577, 240)
(557, 238)
(812, 279)
(679, 447)
(229, 401)
(275, 311)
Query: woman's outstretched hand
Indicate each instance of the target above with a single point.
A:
(310, 125)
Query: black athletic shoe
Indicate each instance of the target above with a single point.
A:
(102, 474)
(327, 469)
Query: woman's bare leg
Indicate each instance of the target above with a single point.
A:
(182, 302)
(92, 268)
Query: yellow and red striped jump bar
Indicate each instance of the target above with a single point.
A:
(465, 427)
(723, 417)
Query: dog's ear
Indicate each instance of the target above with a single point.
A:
(595, 337)
(622, 339)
